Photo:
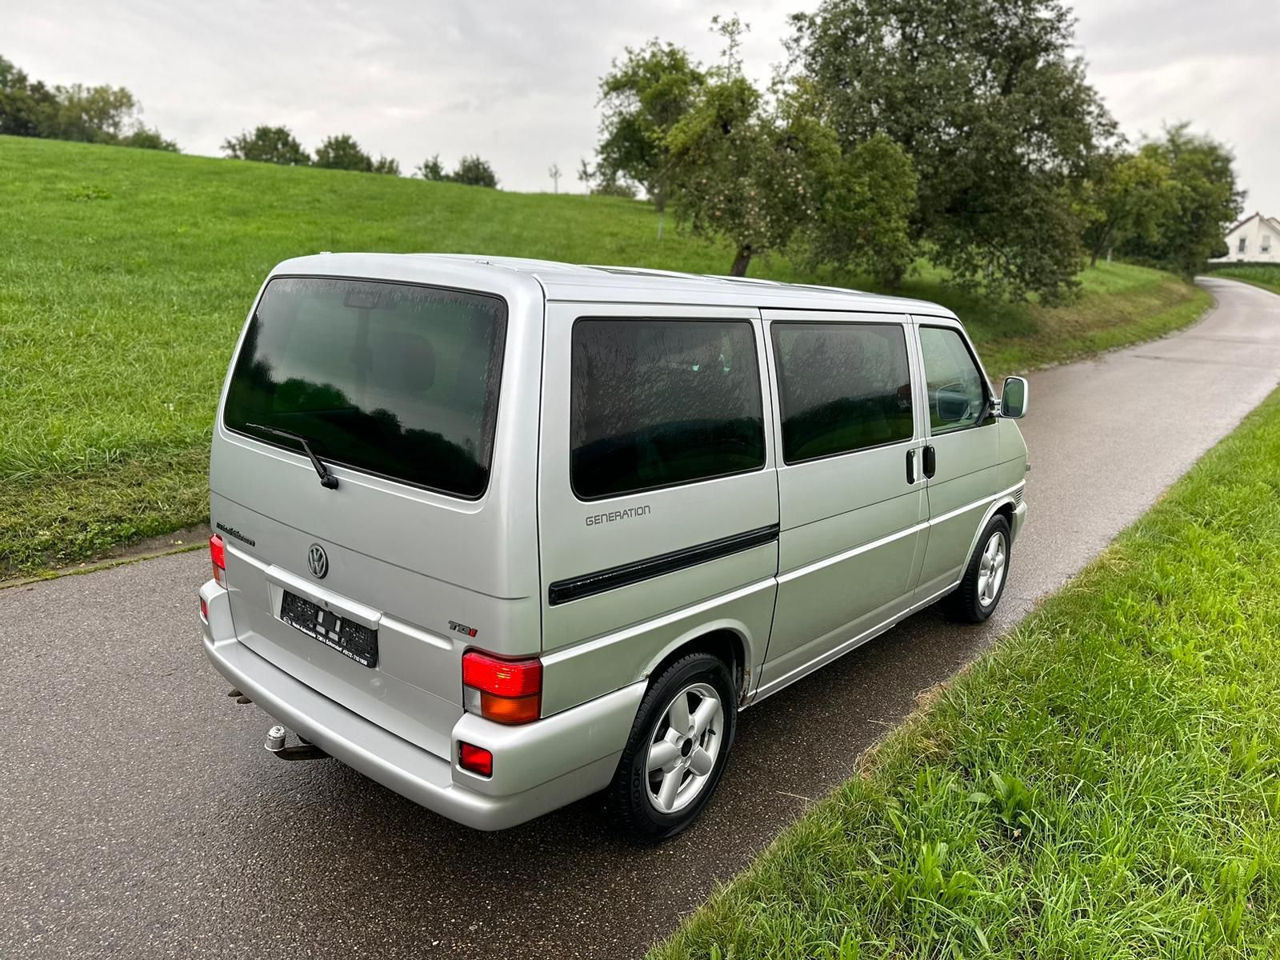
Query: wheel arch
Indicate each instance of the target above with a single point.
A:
(726, 638)
(1003, 505)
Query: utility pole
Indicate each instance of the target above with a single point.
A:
(554, 173)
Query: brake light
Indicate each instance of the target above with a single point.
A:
(506, 691)
(218, 554)
(204, 610)
(476, 759)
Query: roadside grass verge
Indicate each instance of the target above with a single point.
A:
(1104, 783)
(48, 524)
(125, 276)
(1264, 275)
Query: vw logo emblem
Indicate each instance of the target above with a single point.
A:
(318, 561)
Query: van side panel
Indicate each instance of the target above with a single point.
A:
(673, 563)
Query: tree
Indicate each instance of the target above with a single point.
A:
(992, 107)
(341, 152)
(147, 138)
(26, 107)
(863, 221)
(267, 145)
(101, 114)
(474, 172)
(431, 169)
(643, 97)
(471, 170)
(743, 170)
(387, 165)
(598, 186)
(616, 189)
(1131, 196)
(1206, 201)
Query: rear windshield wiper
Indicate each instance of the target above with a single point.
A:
(327, 479)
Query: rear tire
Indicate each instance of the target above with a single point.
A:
(980, 591)
(677, 750)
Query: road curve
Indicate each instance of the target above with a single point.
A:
(140, 817)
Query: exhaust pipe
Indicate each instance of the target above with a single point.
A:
(275, 744)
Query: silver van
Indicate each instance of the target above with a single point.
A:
(501, 534)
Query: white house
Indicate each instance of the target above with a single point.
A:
(1255, 239)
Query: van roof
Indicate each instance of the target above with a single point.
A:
(614, 284)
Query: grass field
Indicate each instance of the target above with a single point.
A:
(1104, 784)
(1264, 275)
(125, 276)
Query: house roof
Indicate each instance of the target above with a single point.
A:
(1272, 222)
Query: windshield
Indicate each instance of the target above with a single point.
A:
(394, 379)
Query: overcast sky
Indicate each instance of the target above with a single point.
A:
(516, 81)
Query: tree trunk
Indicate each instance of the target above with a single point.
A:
(741, 261)
(1103, 243)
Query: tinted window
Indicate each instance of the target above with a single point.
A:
(395, 379)
(843, 386)
(957, 394)
(660, 402)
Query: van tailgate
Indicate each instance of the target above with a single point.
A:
(397, 389)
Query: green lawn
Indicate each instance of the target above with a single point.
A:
(1104, 784)
(125, 276)
(1264, 275)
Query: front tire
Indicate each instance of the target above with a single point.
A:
(677, 749)
(983, 585)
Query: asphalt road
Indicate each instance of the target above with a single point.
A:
(140, 817)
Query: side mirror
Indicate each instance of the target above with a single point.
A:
(1013, 401)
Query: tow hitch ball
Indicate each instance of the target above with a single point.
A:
(303, 750)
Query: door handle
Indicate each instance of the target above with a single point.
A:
(930, 461)
(911, 466)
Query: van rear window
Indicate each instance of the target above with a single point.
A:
(656, 403)
(394, 379)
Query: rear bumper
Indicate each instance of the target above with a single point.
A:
(537, 767)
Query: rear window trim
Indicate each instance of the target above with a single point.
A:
(333, 461)
(751, 322)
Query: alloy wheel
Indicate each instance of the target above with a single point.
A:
(991, 569)
(683, 747)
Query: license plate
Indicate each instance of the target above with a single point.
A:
(351, 639)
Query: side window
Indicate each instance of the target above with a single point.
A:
(655, 403)
(842, 386)
(957, 393)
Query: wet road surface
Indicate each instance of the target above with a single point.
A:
(140, 817)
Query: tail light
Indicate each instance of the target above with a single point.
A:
(204, 610)
(218, 554)
(505, 691)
